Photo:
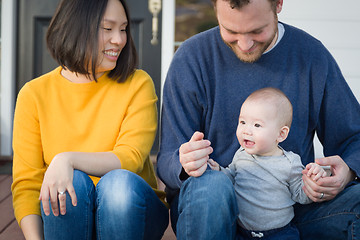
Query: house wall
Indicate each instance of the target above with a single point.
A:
(336, 24)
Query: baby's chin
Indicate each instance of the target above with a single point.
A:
(251, 149)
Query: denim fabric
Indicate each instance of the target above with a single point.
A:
(207, 208)
(174, 213)
(200, 211)
(122, 206)
(288, 232)
(335, 219)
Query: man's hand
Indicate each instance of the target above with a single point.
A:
(327, 188)
(194, 155)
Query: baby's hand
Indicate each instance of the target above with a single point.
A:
(315, 171)
(213, 165)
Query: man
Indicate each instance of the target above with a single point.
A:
(210, 77)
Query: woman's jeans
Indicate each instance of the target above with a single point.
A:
(121, 206)
(206, 209)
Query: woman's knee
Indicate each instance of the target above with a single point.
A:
(120, 189)
(81, 179)
(84, 186)
(84, 190)
(79, 216)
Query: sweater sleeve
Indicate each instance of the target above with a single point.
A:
(183, 106)
(138, 129)
(28, 163)
(231, 170)
(295, 180)
(338, 128)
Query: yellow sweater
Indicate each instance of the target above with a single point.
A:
(54, 115)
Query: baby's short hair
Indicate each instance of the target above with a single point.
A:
(277, 98)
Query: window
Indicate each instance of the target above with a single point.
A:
(192, 17)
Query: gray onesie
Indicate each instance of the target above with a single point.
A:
(266, 188)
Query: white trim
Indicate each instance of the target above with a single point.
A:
(167, 37)
(7, 79)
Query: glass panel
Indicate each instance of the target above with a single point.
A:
(192, 17)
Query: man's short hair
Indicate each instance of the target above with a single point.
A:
(240, 3)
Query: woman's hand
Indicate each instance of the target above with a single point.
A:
(57, 181)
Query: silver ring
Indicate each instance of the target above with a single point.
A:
(321, 195)
(62, 192)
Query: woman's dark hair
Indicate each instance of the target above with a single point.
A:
(72, 38)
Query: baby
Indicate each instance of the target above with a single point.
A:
(267, 179)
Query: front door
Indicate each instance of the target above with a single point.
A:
(34, 59)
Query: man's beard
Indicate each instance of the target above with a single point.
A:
(252, 57)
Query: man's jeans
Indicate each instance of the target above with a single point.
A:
(335, 219)
(206, 209)
(121, 206)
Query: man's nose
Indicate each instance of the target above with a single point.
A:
(245, 42)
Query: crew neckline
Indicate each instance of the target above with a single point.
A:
(66, 81)
(281, 32)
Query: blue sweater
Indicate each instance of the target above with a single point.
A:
(207, 84)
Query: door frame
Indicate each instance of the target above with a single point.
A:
(8, 74)
(167, 39)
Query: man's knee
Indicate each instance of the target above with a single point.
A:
(207, 202)
(213, 186)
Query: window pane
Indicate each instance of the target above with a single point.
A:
(192, 17)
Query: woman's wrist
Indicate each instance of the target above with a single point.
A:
(65, 157)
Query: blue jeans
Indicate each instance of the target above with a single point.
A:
(206, 209)
(335, 219)
(121, 206)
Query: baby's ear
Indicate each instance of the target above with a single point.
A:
(284, 132)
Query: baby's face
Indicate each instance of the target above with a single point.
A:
(258, 129)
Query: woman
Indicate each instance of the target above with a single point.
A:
(83, 134)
